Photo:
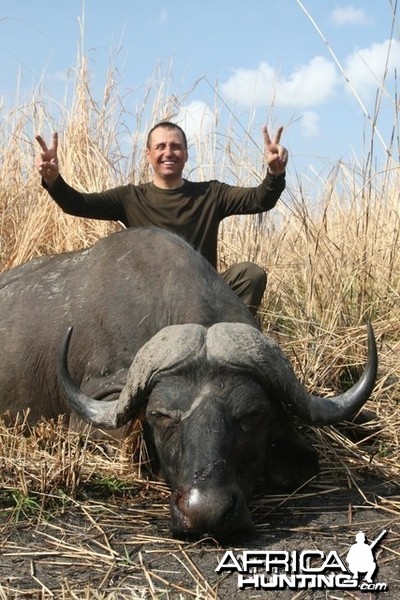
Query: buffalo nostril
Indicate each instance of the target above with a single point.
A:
(209, 511)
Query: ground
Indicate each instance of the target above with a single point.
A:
(121, 547)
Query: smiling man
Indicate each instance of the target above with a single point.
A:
(167, 153)
(193, 210)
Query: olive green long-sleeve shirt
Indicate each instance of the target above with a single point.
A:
(193, 211)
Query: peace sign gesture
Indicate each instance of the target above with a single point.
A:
(47, 161)
(275, 154)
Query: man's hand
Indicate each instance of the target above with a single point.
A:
(46, 161)
(275, 154)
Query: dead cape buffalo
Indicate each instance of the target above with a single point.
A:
(156, 328)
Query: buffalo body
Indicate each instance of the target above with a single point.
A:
(156, 328)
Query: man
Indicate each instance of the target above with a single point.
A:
(192, 210)
(360, 558)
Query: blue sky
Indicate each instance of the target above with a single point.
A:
(257, 54)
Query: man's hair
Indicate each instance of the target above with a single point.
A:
(167, 125)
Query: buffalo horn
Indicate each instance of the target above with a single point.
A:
(237, 345)
(167, 351)
(245, 348)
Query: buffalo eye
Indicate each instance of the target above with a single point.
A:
(166, 416)
(249, 422)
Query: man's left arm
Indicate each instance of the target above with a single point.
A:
(276, 158)
(240, 200)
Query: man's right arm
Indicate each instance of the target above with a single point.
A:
(106, 205)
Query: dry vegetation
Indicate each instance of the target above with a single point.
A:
(79, 522)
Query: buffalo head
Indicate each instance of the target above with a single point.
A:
(217, 403)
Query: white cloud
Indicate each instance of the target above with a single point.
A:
(251, 86)
(366, 67)
(196, 119)
(308, 85)
(348, 15)
(309, 123)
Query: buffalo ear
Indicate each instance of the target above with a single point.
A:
(290, 461)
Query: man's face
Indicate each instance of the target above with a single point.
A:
(167, 154)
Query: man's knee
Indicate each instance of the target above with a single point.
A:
(255, 274)
(244, 273)
(249, 281)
